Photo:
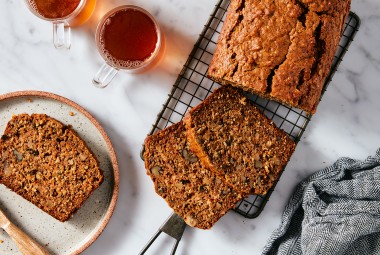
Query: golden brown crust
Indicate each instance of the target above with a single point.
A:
(282, 49)
(48, 164)
(192, 191)
(237, 142)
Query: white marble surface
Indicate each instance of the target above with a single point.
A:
(346, 124)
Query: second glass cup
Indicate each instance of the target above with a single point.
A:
(62, 14)
(128, 38)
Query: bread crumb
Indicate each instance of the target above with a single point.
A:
(71, 113)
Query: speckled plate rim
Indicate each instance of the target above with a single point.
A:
(110, 148)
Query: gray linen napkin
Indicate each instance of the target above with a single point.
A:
(334, 211)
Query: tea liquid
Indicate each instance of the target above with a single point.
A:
(128, 38)
(54, 9)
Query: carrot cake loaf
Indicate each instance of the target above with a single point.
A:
(281, 49)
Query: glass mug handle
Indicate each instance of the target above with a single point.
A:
(104, 76)
(61, 35)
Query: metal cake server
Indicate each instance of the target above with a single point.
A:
(174, 226)
(25, 244)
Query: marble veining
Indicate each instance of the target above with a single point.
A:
(346, 123)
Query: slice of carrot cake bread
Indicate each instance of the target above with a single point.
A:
(192, 191)
(237, 141)
(48, 164)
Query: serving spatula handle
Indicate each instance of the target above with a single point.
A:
(174, 226)
(25, 243)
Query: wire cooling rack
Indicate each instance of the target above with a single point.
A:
(192, 87)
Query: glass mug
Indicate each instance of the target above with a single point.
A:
(128, 38)
(62, 14)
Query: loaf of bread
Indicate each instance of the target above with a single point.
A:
(48, 164)
(236, 141)
(282, 49)
(192, 191)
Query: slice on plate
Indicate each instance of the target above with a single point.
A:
(48, 164)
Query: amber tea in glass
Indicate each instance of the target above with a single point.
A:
(128, 38)
(63, 14)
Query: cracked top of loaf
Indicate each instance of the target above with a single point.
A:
(48, 164)
(281, 49)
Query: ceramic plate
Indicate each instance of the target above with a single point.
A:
(75, 235)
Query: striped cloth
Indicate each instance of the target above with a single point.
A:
(334, 211)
